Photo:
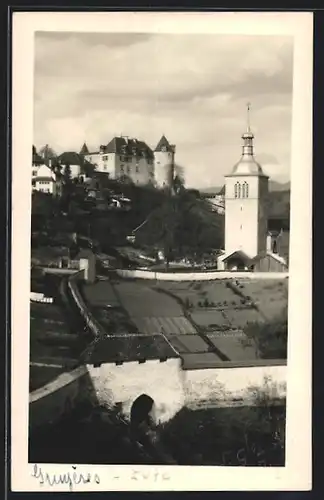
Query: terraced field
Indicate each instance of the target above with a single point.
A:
(53, 348)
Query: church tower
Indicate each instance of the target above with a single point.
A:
(246, 197)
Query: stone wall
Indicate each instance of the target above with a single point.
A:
(171, 387)
(122, 384)
(197, 276)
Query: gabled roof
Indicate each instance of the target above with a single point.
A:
(71, 158)
(237, 254)
(222, 191)
(45, 173)
(163, 143)
(123, 146)
(84, 149)
(274, 256)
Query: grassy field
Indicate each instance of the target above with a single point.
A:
(270, 296)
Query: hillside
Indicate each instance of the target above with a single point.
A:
(273, 186)
(182, 224)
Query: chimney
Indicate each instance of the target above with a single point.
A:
(269, 242)
(50, 163)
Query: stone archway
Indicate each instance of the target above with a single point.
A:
(141, 410)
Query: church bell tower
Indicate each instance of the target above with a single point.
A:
(246, 197)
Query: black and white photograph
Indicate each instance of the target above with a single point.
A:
(166, 188)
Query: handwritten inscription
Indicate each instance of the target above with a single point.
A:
(70, 478)
(154, 476)
(75, 478)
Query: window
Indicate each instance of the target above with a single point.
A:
(235, 190)
(34, 173)
(239, 190)
(137, 168)
(245, 190)
(105, 158)
(121, 169)
(128, 169)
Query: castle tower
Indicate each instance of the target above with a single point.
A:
(246, 196)
(84, 150)
(164, 163)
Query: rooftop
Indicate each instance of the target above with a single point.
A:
(126, 146)
(112, 349)
(164, 143)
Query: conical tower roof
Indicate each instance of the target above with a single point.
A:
(163, 143)
(84, 150)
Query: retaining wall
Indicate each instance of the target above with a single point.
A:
(197, 276)
(90, 320)
(171, 387)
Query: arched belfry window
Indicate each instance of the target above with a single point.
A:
(241, 190)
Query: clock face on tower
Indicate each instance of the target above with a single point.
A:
(163, 149)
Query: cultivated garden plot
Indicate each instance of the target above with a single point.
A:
(101, 293)
(270, 296)
(234, 345)
(141, 300)
(239, 318)
(202, 293)
(210, 319)
(188, 343)
(162, 324)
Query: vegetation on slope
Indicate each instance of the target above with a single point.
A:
(183, 225)
(270, 338)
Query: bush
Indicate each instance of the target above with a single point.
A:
(270, 338)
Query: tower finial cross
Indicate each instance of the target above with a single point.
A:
(248, 106)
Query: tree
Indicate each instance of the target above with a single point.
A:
(270, 338)
(67, 174)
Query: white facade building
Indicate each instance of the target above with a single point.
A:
(123, 157)
(46, 181)
(246, 200)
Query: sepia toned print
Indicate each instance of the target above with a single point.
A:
(160, 253)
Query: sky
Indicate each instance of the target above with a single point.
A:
(192, 88)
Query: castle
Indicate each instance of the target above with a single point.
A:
(132, 158)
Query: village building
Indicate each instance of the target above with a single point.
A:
(47, 181)
(80, 168)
